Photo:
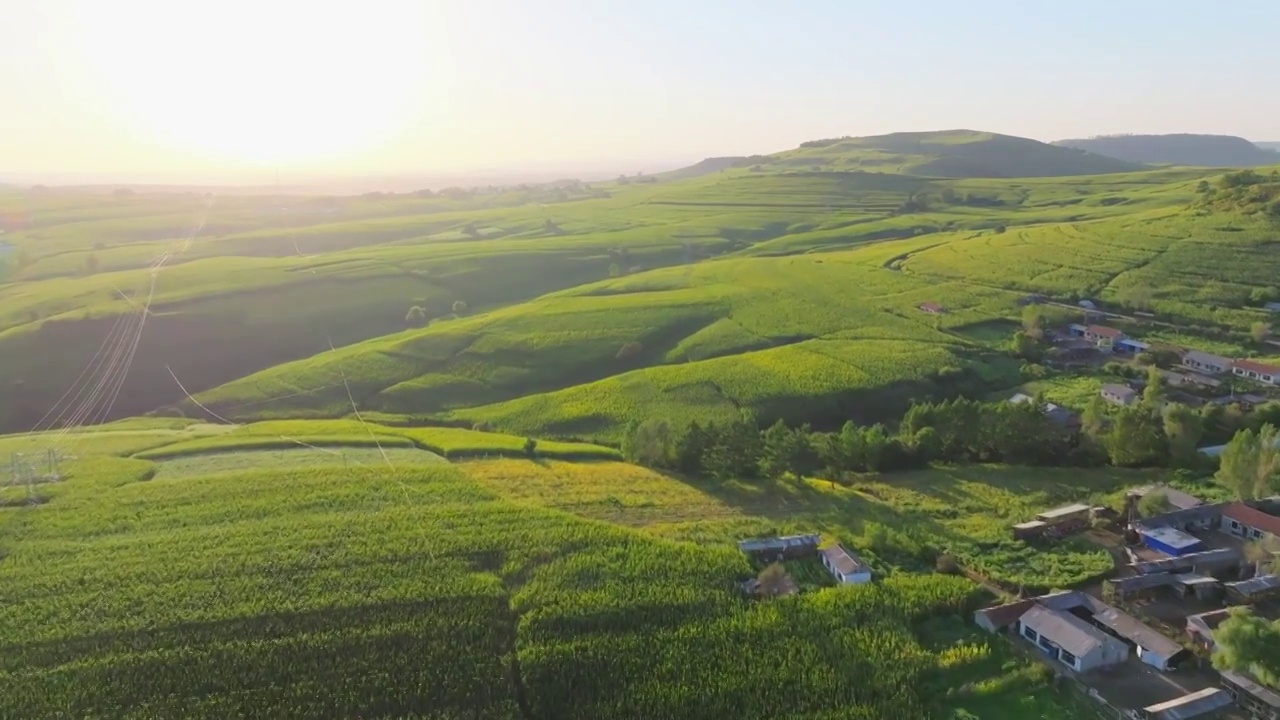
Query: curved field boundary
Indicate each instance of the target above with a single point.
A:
(234, 444)
(460, 443)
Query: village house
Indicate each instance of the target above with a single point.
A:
(1130, 346)
(1119, 394)
(1256, 589)
(1206, 363)
(1209, 562)
(1176, 499)
(1261, 702)
(1102, 337)
(931, 308)
(1081, 631)
(844, 566)
(1254, 370)
(779, 548)
(1170, 541)
(1200, 628)
(1059, 415)
(1070, 640)
(1248, 522)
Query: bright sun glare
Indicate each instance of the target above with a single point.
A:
(262, 83)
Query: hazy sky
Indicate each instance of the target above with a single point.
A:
(387, 86)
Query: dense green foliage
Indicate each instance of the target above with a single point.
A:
(1250, 463)
(1247, 643)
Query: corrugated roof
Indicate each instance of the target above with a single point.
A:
(787, 541)
(1136, 583)
(1189, 706)
(1209, 621)
(1205, 358)
(1065, 630)
(1196, 514)
(1064, 511)
(1131, 628)
(1170, 537)
(1222, 557)
(844, 561)
(1104, 331)
(1252, 517)
(1255, 586)
(1258, 367)
(1251, 686)
(1001, 616)
(1176, 498)
(1120, 391)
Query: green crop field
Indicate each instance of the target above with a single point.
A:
(324, 456)
(276, 584)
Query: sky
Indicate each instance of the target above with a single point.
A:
(175, 88)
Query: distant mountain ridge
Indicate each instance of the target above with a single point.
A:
(1269, 145)
(1178, 149)
(944, 154)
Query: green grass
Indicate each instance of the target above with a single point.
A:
(279, 587)
(272, 279)
(900, 520)
(293, 458)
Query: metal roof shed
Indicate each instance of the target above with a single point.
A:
(1170, 541)
(1063, 513)
(1189, 706)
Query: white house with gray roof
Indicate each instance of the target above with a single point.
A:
(1070, 640)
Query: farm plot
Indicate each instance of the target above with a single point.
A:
(416, 593)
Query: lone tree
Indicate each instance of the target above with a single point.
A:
(1153, 503)
(91, 264)
(1259, 331)
(774, 581)
(1264, 554)
(416, 316)
(530, 447)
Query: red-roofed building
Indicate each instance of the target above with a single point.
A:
(1254, 370)
(932, 308)
(1102, 336)
(1249, 523)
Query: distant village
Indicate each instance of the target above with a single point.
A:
(1137, 642)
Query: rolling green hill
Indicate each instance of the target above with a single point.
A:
(243, 286)
(1180, 149)
(394, 490)
(811, 337)
(951, 153)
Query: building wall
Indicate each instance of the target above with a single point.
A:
(1153, 659)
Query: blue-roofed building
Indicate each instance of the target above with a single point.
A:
(1130, 346)
(1170, 541)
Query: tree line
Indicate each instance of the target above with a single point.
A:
(956, 430)
(1151, 432)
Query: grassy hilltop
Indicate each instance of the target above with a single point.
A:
(680, 271)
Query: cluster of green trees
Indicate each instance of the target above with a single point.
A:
(1247, 643)
(957, 430)
(1149, 433)
(1250, 463)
